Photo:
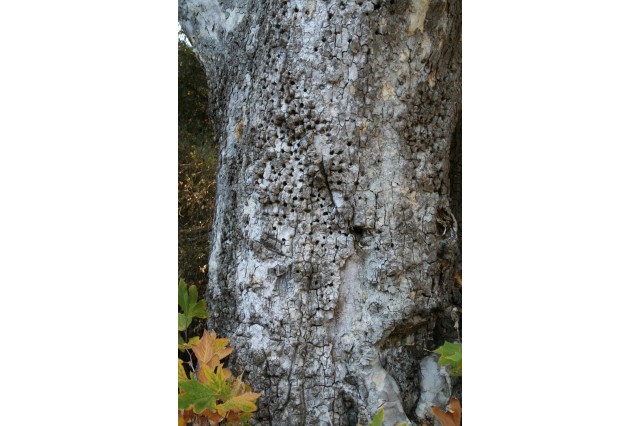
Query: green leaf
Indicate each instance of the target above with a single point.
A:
(449, 349)
(193, 295)
(214, 387)
(195, 395)
(199, 310)
(456, 357)
(451, 356)
(188, 301)
(378, 418)
(217, 382)
(183, 295)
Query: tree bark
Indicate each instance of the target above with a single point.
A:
(335, 244)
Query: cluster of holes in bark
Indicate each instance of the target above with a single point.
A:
(286, 139)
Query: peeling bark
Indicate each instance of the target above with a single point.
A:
(335, 242)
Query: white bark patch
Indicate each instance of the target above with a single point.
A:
(417, 15)
(386, 394)
(350, 297)
(435, 387)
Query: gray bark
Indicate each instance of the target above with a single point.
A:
(335, 243)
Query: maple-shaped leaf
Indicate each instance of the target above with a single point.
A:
(181, 420)
(209, 350)
(203, 393)
(244, 403)
(452, 416)
(195, 395)
(451, 356)
(217, 381)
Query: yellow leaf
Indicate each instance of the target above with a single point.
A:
(210, 350)
(203, 373)
(241, 403)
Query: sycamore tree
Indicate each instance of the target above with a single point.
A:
(337, 225)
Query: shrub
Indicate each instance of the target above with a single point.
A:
(208, 393)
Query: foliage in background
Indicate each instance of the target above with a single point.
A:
(197, 165)
(192, 92)
(208, 393)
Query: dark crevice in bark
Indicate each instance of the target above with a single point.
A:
(326, 183)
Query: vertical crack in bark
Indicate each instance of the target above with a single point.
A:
(326, 182)
(293, 360)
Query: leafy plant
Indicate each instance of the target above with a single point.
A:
(191, 308)
(216, 394)
(208, 393)
(451, 356)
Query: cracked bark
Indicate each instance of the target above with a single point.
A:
(334, 247)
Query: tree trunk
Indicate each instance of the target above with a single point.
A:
(335, 243)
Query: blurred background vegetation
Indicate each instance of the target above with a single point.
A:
(197, 168)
